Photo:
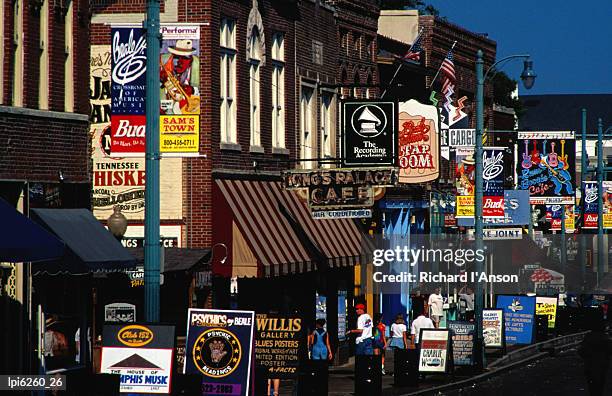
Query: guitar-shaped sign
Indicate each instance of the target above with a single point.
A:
(553, 159)
(535, 154)
(526, 164)
(563, 156)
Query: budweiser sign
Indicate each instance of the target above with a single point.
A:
(493, 206)
(590, 220)
(127, 135)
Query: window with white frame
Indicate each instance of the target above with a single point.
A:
(254, 66)
(307, 141)
(227, 77)
(328, 125)
(278, 90)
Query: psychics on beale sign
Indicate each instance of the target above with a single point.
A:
(369, 133)
(418, 137)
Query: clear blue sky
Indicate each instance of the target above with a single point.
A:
(570, 42)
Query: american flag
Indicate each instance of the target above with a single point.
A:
(414, 53)
(448, 71)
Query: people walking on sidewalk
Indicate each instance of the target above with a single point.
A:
(466, 303)
(318, 342)
(436, 304)
(421, 322)
(380, 340)
(364, 332)
(398, 334)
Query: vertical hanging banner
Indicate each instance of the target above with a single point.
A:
(419, 148)
(180, 90)
(128, 90)
(219, 347)
(465, 176)
(607, 203)
(590, 204)
(493, 179)
(546, 166)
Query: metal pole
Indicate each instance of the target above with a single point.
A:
(480, 358)
(600, 172)
(530, 225)
(152, 247)
(563, 241)
(583, 174)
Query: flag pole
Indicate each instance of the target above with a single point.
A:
(440, 68)
(400, 65)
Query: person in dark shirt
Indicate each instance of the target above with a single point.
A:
(417, 304)
(596, 349)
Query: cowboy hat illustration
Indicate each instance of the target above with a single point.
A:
(182, 48)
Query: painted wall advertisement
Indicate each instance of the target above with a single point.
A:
(218, 347)
(419, 147)
(141, 354)
(128, 90)
(547, 166)
(547, 306)
(433, 356)
(493, 328)
(180, 90)
(369, 133)
(519, 315)
(278, 341)
(462, 336)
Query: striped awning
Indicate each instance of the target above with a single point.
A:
(281, 233)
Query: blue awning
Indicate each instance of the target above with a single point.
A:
(25, 241)
(91, 247)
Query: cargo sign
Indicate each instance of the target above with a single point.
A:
(461, 137)
(433, 356)
(369, 133)
(462, 335)
(519, 315)
(277, 345)
(141, 355)
(219, 347)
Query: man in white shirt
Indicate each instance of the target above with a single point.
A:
(422, 322)
(364, 331)
(436, 303)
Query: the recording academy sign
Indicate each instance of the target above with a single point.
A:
(340, 188)
(369, 133)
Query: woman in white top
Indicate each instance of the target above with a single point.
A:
(398, 333)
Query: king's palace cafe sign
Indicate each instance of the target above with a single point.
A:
(339, 188)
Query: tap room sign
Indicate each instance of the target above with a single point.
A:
(546, 166)
(369, 133)
(339, 188)
(419, 147)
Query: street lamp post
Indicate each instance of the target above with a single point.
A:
(152, 247)
(528, 77)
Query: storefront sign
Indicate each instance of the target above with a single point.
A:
(461, 137)
(419, 148)
(546, 166)
(128, 90)
(519, 313)
(342, 214)
(277, 345)
(180, 93)
(547, 306)
(493, 328)
(120, 312)
(342, 315)
(493, 163)
(495, 234)
(369, 133)
(516, 209)
(218, 347)
(141, 355)
(462, 336)
(138, 242)
(433, 356)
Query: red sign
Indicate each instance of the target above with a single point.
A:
(493, 206)
(590, 220)
(128, 134)
(450, 220)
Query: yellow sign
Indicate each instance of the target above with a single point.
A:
(547, 306)
(135, 335)
(465, 206)
(179, 134)
(607, 220)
